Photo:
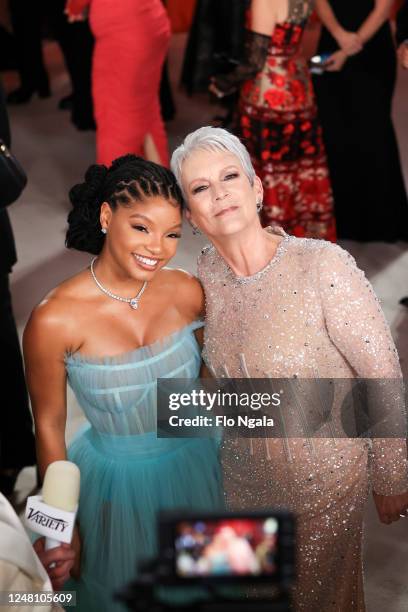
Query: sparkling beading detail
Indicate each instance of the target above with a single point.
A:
(133, 302)
(314, 315)
(252, 278)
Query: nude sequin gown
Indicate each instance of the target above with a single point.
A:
(310, 313)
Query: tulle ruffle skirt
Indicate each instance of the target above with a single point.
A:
(125, 482)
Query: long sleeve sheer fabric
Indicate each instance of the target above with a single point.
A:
(255, 54)
(309, 314)
(357, 326)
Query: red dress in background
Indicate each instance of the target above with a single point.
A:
(131, 42)
(278, 122)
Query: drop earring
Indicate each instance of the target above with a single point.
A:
(196, 231)
(259, 207)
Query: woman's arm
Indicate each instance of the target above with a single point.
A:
(328, 18)
(45, 342)
(44, 346)
(257, 41)
(403, 55)
(357, 327)
(188, 296)
(378, 16)
(193, 299)
(349, 42)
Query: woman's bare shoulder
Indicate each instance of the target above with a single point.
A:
(62, 305)
(185, 290)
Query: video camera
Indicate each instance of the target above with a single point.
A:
(218, 562)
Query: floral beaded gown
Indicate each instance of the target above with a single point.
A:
(310, 313)
(127, 473)
(277, 120)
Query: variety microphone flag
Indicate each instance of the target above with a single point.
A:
(53, 513)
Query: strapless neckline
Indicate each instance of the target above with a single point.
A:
(76, 357)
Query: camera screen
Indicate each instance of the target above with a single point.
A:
(227, 547)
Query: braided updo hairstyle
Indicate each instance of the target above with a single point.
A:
(129, 178)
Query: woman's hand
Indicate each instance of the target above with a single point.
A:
(76, 10)
(212, 88)
(390, 507)
(349, 42)
(336, 61)
(58, 562)
(403, 55)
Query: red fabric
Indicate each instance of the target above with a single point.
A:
(279, 124)
(181, 14)
(131, 42)
(76, 8)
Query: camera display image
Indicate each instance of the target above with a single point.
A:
(226, 547)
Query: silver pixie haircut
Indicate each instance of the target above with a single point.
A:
(211, 139)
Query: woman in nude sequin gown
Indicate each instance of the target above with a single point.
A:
(292, 307)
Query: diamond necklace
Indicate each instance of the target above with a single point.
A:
(133, 302)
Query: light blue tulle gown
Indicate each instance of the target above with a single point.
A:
(127, 473)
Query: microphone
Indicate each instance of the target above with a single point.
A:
(61, 490)
(53, 513)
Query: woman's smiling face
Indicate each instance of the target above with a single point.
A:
(142, 236)
(220, 198)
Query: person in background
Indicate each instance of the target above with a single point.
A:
(27, 568)
(277, 119)
(76, 43)
(27, 20)
(215, 44)
(131, 42)
(354, 96)
(17, 446)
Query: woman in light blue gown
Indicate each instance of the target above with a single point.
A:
(111, 331)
